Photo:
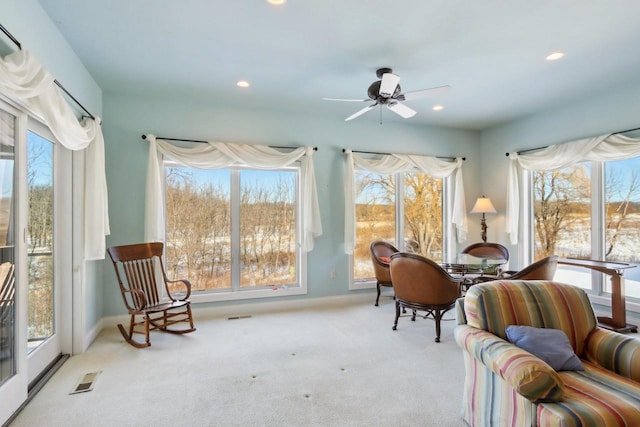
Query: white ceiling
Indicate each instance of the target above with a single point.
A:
(491, 52)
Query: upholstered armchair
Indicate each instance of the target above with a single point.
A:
(516, 385)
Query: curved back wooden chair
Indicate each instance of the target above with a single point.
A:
(139, 270)
(380, 255)
(484, 249)
(421, 284)
(543, 269)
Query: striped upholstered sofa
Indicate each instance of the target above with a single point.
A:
(508, 386)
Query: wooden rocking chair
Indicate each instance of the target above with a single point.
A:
(138, 269)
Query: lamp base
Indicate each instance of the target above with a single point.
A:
(483, 225)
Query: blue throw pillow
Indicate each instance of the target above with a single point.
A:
(550, 345)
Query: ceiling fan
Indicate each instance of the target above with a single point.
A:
(386, 91)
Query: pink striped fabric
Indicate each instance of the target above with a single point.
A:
(594, 397)
(507, 386)
(542, 304)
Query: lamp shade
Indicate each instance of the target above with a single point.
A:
(483, 205)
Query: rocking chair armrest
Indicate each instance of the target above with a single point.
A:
(139, 301)
(187, 285)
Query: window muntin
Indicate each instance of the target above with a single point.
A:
(406, 204)
(233, 229)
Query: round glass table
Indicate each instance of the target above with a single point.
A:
(472, 268)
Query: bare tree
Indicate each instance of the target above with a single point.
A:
(423, 213)
(617, 211)
(560, 196)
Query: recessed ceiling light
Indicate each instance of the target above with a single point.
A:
(243, 83)
(438, 108)
(554, 56)
(277, 1)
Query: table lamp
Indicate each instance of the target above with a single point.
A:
(483, 205)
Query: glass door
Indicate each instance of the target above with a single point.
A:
(13, 378)
(43, 296)
(34, 259)
(7, 267)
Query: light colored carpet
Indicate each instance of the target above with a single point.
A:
(339, 365)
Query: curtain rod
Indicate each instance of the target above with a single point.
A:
(387, 154)
(546, 146)
(19, 45)
(200, 141)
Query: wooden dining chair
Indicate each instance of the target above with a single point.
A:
(543, 269)
(139, 269)
(380, 255)
(488, 249)
(422, 284)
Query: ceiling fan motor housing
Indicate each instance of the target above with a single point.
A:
(374, 92)
(381, 71)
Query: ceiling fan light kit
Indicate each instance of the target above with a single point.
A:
(387, 92)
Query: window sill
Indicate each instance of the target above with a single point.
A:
(205, 297)
(605, 301)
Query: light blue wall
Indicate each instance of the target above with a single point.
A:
(33, 28)
(127, 117)
(601, 112)
(28, 22)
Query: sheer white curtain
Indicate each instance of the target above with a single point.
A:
(23, 79)
(215, 155)
(395, 163)
(603, 148)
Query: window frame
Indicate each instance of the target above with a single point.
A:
(235, 291)
(597, 292)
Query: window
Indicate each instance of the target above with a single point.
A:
(233, 229)
(622, 219)
(591, 210)
(407, 204)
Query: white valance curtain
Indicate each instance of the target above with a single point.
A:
(396, 163)
(215, 155)
(603, 148)
(23, 79)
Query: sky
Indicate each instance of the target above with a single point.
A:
(221, 177)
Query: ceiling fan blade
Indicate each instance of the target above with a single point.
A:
(424, 93)
(346, 100)
(361, 112)
(388, 84)
(401, 110)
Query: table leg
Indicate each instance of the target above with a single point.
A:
(618, 320)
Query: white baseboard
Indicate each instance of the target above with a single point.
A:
(93, 334)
